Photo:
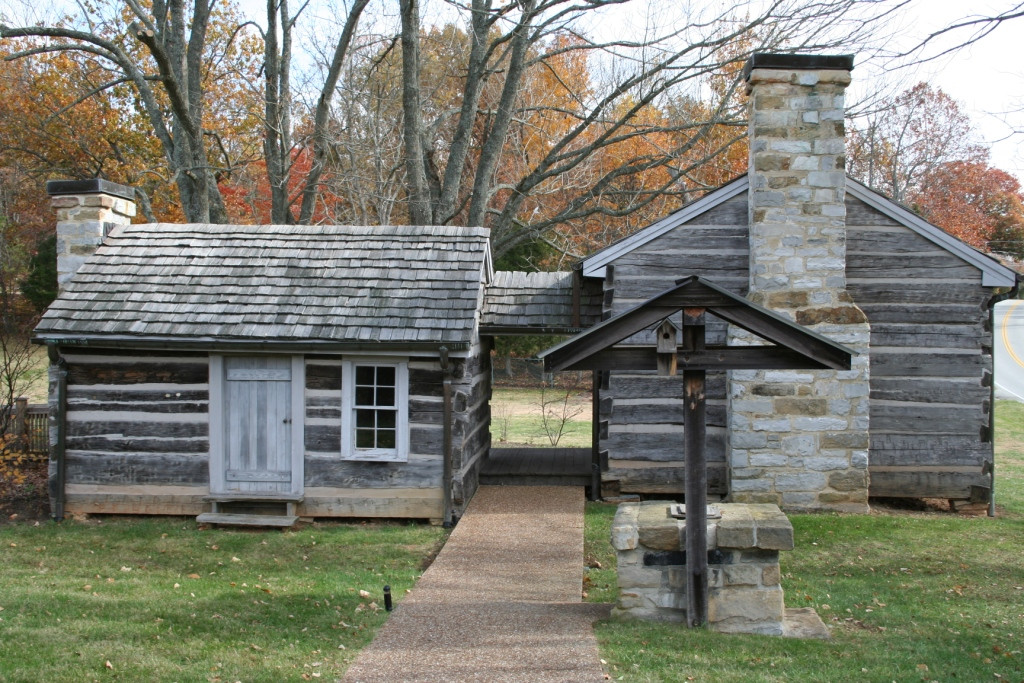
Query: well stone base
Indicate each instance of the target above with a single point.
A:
(744, 591)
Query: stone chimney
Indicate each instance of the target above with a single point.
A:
(87, 210)
(800, 438)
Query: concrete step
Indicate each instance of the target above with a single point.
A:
(231, 519)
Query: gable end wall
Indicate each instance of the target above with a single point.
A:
(931, 359)
(641, 414)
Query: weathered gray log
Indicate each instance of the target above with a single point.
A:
(333, 472)
(136, 468)
(137, 373)
(658, 447)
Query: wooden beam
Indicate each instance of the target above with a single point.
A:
(799, 339)
(713, 358)
(696, 499)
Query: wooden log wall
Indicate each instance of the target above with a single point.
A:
(138, 437)
(337, 487)
(407, 489)
(931, 359)
(641, 414)
(471, 433)
(137, 431)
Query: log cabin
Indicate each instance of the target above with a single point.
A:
(341, 371)
(913, 418)
(279, 371)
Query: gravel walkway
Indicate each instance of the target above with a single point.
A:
(500, 603)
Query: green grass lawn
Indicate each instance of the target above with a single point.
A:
(517, 418)
(909, 596)
(160, 600)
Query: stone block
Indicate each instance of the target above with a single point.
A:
(655, 528)
(741, 575)
(624, 531)
(631, 558)
(823, 464)
(757, 556)
(800, 406)
(736, 528)
(102, 200)
(750, 486)
(745, 607)
(791, 146)
(771, 575)
(859, 460)
(768, 460)
(802, 481)
(844, 440)
(748, 440)
(790, 376)
(801, 445)
(848, 480)
(633, 578)
(819, 424)
(772, 389)
(755, 497)
(65, 202)
(798, 499)
(771, 425)
(763, 407)
(773, 529)
(671, 600)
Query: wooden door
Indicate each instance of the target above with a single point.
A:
(258, 427)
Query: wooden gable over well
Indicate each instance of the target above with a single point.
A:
(790, 345)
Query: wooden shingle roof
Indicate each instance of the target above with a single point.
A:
(538, 303)
(398, 285)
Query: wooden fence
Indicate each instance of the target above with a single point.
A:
(30, 422)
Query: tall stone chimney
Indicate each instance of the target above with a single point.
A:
(800, 438)
(87, 210)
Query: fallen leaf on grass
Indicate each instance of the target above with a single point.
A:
(193, 576)
(108, 664)
(364, 594)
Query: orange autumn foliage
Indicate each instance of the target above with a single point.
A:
(975, 203)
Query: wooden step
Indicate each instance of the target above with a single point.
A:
(228, 518)
(242, 496)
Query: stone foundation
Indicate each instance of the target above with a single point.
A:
(744, 595)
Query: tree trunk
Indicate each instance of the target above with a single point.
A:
(415, 161)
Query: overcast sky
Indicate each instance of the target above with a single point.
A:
(987, 78)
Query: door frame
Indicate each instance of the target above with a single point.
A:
(218, 485)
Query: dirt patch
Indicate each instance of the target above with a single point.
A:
(27, 500)
(928, 506)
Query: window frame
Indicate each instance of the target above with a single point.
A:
(400, 453)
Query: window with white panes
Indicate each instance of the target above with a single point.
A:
(375, 421)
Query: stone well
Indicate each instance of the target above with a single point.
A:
(744, 591)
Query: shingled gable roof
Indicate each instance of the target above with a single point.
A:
(793, 346)
(537, 303)
(327, 286)
(994, 274)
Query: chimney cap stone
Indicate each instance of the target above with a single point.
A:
(775, 60)
(56, 188)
